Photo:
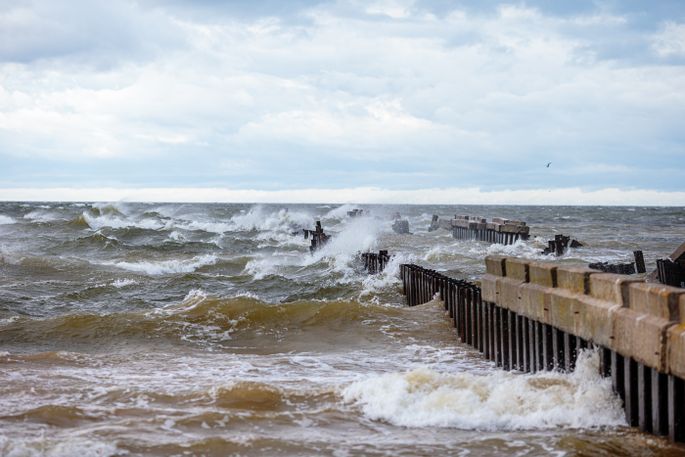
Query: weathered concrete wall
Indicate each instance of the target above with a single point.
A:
(533, 316)
(639, 320)
(499, 230)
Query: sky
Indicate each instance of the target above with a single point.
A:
(392, 100)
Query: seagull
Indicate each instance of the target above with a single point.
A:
(548, 164)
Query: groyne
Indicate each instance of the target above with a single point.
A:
(375, 263)
(671, 271)
(498, 230)
(318, 237)
(532, 316)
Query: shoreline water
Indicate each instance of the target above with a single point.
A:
(209, 329)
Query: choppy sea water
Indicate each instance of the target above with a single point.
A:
(172, 329)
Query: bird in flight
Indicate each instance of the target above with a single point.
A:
(548, 164)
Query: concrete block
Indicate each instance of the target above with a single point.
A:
(641, 336)
(543, 273)
(499, 220)
(517, 268)
(494, 265)
(656, 300)
(510, 228)
(509, 296)
(488, 288)
(491, 226)
(676, 350)
(535, 302)
(574, 279)
(611, 287)
(595, 322)
(565, 308)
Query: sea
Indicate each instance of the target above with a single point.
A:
(148, 329)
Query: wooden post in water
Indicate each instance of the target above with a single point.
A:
(639, 262)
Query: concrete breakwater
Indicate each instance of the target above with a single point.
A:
(498, 230)
(533, 316)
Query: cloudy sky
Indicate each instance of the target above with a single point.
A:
(272, 97)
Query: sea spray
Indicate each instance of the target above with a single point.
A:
(161, 267)
(498, 401)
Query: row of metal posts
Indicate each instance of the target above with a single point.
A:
(653, 401)
(489, 235)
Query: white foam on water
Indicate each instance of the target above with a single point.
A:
(117, 222)
(263, 266)
(359, 235)
(119, 283)
(388, 277)
(6, 220)
(205, 226)
(497, 401)
(161, 267)
(41, 216)
(67, 447)
(519, 249)
(340, 212)
(282, 220)
(176, 236)
(443, 252)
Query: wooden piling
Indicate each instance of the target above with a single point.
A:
(639, 262)
(631, 391)
(659, 384)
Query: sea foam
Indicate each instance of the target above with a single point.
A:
(497, 401)
(161, 267)
(5, 220)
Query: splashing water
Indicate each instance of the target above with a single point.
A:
(166, 329)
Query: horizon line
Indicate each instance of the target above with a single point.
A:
(569, 196)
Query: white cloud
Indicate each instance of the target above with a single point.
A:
(380, 123)
(392, 8)
(670, 41)
(347, 79)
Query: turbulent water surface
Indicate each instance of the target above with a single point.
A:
(148, 329)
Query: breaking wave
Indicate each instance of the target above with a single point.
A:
(6, 220)
(161, 267)
(198, 318)
(497, 401)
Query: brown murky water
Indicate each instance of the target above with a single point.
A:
(209, 330)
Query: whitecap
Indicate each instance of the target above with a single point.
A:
(117, 222)
(495, 401)
(161, 267)
(119, 283)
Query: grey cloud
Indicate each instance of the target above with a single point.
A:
(104, 32)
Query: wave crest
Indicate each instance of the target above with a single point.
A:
(497, 401)
(198, 319)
